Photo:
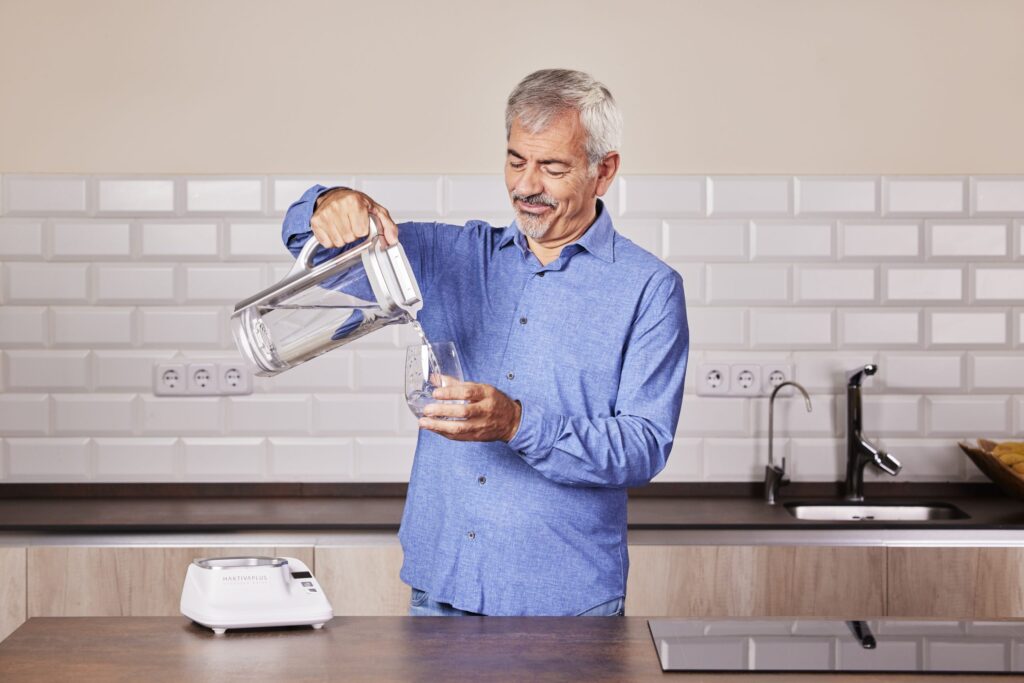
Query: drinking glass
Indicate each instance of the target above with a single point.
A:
(421, 379)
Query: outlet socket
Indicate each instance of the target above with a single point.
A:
(170, 379)
(234, 379)
(774, 374)
(203, 379)
(745, 379)
(713, 380)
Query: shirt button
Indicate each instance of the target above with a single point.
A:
(541, 274)
(522, 321)
(511, 375)
(472, 535)
(482, 479)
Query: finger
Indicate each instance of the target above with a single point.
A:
(452, 429)
(387, 225)
(464, 410)
(466, 391)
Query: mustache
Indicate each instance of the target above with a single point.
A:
(544, 199)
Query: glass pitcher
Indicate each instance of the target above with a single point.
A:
(319, 307)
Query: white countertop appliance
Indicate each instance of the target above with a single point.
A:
(252, 592)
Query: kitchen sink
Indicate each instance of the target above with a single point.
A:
(873, 512)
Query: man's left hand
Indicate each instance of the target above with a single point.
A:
(489, 414)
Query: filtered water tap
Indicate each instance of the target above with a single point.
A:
(860, 451)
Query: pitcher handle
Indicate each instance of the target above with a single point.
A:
(304, 260)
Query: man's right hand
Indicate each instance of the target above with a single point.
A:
(343, 215)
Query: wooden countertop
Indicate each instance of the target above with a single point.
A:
(378, 649)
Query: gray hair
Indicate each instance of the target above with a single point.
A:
(545, 94)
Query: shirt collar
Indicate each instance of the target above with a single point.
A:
(598, 239)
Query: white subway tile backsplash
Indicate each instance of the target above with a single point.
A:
(287, 191)
(268, 414)
(717, 327)
(48, 459)
(41, 194)
(645, 233)
(997, 195)
(748, 196)
(923, 284)
(840, 284)
(384, 459)
(136, 459)
(223, 283)
(816, 459)
(791, 654)
(888, 655)
(875, 241)
(405, 194)
(181, 415)
(961, 241)
(836, 196)
(380, 370)
(662, 195)
(744, 283)
(45, 370)
(996, 371)
(922, 459)
(93, 326)
(126, 369)
(355, 414)
(953, 655)
(181, 326)
(711, 416)
(257, 240)
(931, 371)
(24, 414)
(793, 419)
(875, 328)
(172, 240)
(93, 413)
(475, 194)
(224, 195)
(135, 195)
(225, 459)
(999, 284)
(738, 459)
(705, 240)
(959, 328)
(782, 328)
(938, 195)
(308, 459)
(23, 326)
(125, 283)
(786, 240)
(968, 416)
(889, 415)
(330, 372)
(20, 238)
(826, 371)
(47, 283)
(685, 463)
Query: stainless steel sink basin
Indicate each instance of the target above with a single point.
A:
(873, 512)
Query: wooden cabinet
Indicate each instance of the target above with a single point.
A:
(964, 583)
(120, 581)
(12, 590)
(747, 581)
(362, 580)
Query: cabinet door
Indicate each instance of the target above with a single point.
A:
(956, 583)
(79, 581)
(362, 580)
(745, 581)
(12, 590)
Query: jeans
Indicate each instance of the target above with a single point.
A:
(421, 605)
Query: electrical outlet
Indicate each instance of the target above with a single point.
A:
(745, 380)
(203, 379)
(713, 380)
(774, 374)
(234, 378)
(170, 379)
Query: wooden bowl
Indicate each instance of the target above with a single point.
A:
(1008, 481)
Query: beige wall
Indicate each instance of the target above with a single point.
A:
(316, 86)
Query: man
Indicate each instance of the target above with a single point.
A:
(574, 345)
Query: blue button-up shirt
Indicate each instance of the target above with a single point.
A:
(594, 345)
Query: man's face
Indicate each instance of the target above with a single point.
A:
(547, 178)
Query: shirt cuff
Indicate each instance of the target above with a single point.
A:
(300, 212)
(534, 436)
